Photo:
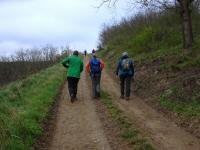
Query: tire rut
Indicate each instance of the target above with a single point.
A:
(164, 135)
(78, 126)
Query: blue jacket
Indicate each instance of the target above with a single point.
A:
(121, 72)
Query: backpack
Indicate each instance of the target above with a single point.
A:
(95, 65)
(126, 64)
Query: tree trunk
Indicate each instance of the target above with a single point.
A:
(185, 13)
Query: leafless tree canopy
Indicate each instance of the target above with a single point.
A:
(27, 61)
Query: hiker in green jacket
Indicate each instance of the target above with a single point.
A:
(74, 65)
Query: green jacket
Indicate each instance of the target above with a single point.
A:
(74, 65)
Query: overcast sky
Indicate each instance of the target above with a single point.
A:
(35, 23)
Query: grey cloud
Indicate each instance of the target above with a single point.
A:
(59, 22)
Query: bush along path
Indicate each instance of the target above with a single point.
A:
(161, 132)
(24, 105)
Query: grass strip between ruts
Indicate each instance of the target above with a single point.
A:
(134, 138)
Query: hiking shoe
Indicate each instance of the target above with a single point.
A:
(127, 98)
(122, 96)
(96, 97)
(72, 99)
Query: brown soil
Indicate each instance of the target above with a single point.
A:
(163, 133)
(85, 124)
(153, 82)
(78, 126)
(111, 129)
(82, 125)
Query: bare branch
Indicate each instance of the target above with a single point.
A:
(109, 2)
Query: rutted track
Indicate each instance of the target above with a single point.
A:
(164, 134)
(78, 126)
(83, 125)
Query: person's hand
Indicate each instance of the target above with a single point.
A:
(66, 65)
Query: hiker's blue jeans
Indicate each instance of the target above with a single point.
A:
(96, 78)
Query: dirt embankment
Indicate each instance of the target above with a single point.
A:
(154, 80)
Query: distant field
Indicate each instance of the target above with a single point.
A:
(11, 71)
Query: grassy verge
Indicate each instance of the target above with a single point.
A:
(128, 133)
(190, 107)
(189, 110)
(23, 106)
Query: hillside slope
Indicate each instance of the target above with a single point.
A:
(167, 77)
(23, 106)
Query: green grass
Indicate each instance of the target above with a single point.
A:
(128, 132)
(188, 109)
(23, 106)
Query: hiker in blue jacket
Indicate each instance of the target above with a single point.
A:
(125, 71)
(94, 68)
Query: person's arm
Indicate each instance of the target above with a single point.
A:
(132, 68)
(102, 64)
(117, 69)
(65, 62)
(81, 69)
(88, 67)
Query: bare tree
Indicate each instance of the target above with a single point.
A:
(184, 8)
(45, 51)
(35, 55)
(4, 59)
(20, 55)
(50, 52)
(53, 51)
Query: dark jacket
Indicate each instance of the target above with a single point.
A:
(120, 71)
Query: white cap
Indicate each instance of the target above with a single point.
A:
(124, 54)
(94, 54)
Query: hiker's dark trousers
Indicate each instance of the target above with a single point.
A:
(96, 78)
(125, 84)
(72, 86)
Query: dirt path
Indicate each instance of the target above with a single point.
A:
(78, 126)
(164, 134)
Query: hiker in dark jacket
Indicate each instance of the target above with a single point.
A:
(125, 71)
(94, 68)
(85, 53)
(93, 51)
(74, 65)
